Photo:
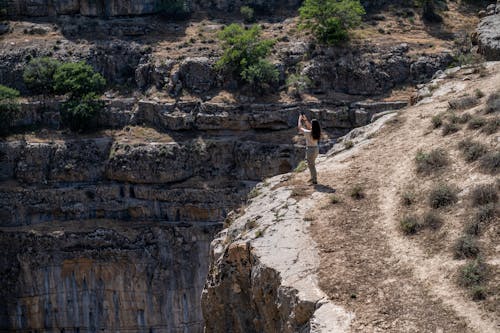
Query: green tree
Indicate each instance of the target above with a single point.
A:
(248, 14)
(39, 73)
(78, 79)
(84, 86)
(430, 10)
(245, 55)
(330, 20)
(9, 105)
(80, 115)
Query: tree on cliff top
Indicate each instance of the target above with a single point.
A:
(78, 79)
(245, 55)
(39, 73)
(330, 20)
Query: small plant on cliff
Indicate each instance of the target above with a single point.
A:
(245, 55)
(330, 20)
(248, 14)
(8, 107)
(39, 73)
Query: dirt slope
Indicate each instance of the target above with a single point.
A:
(395, 282)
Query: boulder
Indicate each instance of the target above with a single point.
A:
(487, 37)
(197, 74)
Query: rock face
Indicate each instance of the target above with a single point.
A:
(104, 279)
(488, 36)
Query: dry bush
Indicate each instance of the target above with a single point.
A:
(463, 103)
(490, 162)
(493, 103)
(357, 192)
(465, 247)
(442, 195)
(473, 273)
(476, 123)
(430, 162)
(432, 220)
(437, 121)
(491, 126)
(450, 128)
(484, 194)
(408, 198)
(472, 150)
(409, 224)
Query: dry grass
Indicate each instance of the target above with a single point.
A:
(432, 161)
(472, 150)
(442, 195)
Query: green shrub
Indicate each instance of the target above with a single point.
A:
(473, 273)
(39, 73)
(248, 14)
(260, 75)
(174, 9)
(465, 247)
(9, 106)
(484, 194)
(409, 224)
(490, 162)
(80, 115)
(430, 162)
(478, 293)
(472, 150)
(244, 53)
(442, 195)
(330, 20)
(78, 79)
(486, 214)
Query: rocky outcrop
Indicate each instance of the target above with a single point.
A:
(487, 36)
(257, 282)
(120, 279)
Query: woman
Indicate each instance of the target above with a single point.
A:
(312, 132)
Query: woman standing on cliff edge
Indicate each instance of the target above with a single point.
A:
(312, 132)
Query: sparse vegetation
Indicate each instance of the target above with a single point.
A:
(432, 220)
(334, 199)
(490, 162)
(473, 273)
(255, 192)
(302, 166)
(244, 55)
(478, 293)
(430, 162)
(437, 121)
(8, 107)
(463, 103)
(450, 128)
(484, 194)
(479, 93)
(408, 198)
(409, 224)
(472, 150)
(348, 144)
(491, 126)
(442, 195)
(476, 123)
(297, 84)
(357, 192)
(330, 20)
(248, 14)
(493, 103)
(465, 247)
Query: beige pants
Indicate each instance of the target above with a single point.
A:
(311, 154)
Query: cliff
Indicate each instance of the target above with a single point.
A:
(337, 257)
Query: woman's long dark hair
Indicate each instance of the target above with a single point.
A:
(316, 130)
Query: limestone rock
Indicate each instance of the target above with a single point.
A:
(488, 37)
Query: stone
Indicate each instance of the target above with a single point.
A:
(196, 74)
(487, 37)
